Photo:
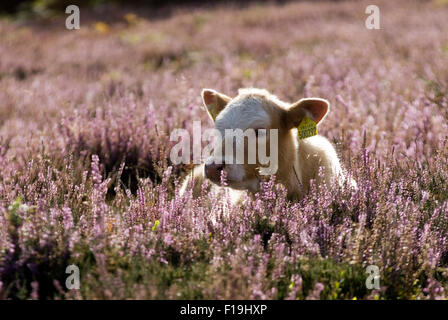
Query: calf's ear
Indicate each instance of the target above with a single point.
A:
(214, 102)
(315, 108)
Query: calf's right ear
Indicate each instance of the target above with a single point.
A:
(315, 108)
(214, 102)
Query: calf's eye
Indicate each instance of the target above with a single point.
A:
(261, 132)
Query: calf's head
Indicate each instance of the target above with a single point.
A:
(254, 134)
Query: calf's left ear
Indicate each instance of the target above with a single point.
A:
(214, 102)
(315, 108)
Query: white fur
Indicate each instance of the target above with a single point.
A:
(299, 160)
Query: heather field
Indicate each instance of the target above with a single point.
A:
(86, 177)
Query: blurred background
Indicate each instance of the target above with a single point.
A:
(51, 7)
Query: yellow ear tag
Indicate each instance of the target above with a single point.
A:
(307, 128)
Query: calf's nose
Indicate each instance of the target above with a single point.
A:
(213, 171)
